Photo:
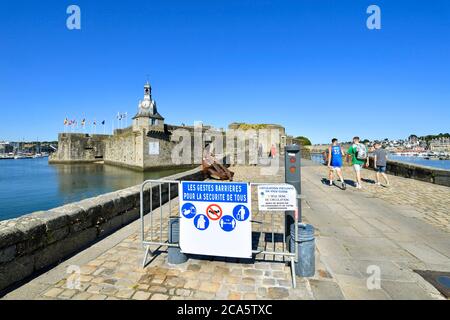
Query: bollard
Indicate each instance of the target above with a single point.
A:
(306, 264)
(175, 256)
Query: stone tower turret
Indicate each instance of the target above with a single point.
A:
(147, 116)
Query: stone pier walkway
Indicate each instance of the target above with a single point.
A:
(395, 230)
(387, 230)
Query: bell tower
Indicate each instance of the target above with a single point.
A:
(147, 92)
(147, 116)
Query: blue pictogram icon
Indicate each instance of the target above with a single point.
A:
(188, 210)
(227, 223)
(241, 213)
(201, 222)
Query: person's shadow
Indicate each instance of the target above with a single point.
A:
(368, 181)
(350, 182)
(326, 182)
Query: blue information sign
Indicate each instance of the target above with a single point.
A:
(241, 212)
(188, 210)
(201, 222)
(215, 192)
(227, 223)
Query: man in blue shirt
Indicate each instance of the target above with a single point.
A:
(335, 155)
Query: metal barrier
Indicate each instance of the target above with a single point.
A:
(151, 242)
(163, 242)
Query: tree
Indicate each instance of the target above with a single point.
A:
(304, 141)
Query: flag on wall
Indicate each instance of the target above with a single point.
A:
(121, 116)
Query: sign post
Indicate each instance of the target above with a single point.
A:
(215, 219)
(277, 197)
(292, 177)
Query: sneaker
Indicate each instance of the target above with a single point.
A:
(378, 184)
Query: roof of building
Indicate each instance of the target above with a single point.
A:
(148, 114)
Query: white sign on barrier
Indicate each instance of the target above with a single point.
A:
(215, 219)
(273, 197)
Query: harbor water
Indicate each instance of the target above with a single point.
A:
(29, 185)
(439, 164)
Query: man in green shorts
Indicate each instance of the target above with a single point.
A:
(360, 157)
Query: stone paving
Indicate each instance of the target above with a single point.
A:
(357, 232)
(117, 274)
(360, 232)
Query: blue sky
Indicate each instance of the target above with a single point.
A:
(312, 66)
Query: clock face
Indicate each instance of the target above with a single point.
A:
(145, 104)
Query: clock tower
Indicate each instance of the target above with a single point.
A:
(147, 116)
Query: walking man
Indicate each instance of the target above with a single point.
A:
(380, 160)
(335, 153)
(359, 154)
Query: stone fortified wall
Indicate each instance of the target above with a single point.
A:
(130, 148)
(79, 148)
(414, 171)
(123, 149)
(33, 242)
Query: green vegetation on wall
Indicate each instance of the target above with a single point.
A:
(249, 126)
(303, 140)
